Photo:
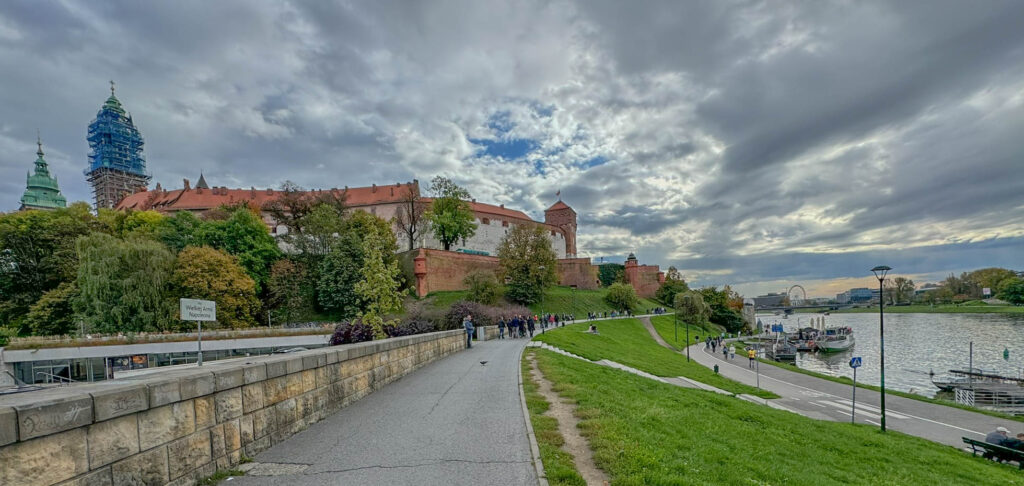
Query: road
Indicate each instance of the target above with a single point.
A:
(827, 400)
(451, 422)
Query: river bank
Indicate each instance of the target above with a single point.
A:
(922, 309)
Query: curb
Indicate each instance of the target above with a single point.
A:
(538, 465)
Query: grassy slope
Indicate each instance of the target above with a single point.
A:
(626, 341)
(556, 299)
(665, 325)
(559, 467)
(645, 432)
(926, 309)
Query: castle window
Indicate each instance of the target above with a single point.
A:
(486, 221)
(504, 224)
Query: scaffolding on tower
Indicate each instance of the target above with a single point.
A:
(117, 166)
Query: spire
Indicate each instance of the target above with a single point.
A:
(111, 87)
(41, 191)
(201, 183)
(39, 142)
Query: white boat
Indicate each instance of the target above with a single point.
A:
(834, 340)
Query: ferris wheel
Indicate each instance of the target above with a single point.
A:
(796, 294)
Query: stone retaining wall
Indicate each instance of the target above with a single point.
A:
(180, 426)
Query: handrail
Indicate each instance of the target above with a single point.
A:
(62, 381)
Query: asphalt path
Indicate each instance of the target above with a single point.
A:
(827, 400)
(454, 421)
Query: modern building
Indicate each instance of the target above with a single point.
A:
(861, 294)
(117, 166)
(769, 300)
(41, 191)
(843, 298)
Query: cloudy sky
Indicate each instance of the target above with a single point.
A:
(754, 143)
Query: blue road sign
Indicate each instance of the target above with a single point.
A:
(855, 362)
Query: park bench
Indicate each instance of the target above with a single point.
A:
(995, 452)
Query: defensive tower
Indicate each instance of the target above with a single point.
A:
(117, 167)
(562, 216)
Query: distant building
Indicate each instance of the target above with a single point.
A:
(861, 294)
(117, 167)
(769, 300)
(41, 191)
(843, 298)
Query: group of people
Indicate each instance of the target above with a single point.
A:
(605, 315)
(520, 326)
(657, 311)
(1001, 437)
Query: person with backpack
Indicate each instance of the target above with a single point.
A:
(501, 328)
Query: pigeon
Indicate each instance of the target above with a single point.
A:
(483, 363)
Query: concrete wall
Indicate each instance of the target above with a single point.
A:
(179, 426)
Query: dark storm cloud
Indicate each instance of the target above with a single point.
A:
(746, 140)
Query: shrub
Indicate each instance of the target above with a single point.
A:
(354, 331)
(483, 287)
(409, 327)
(621, 297)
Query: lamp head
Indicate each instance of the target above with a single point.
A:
(880, 271)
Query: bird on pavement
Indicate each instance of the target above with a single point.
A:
(483, 363)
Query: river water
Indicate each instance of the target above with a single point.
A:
(915, 344)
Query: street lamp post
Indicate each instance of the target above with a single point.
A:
(687, 339)
(880, 272)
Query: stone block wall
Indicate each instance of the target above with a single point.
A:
(180, 426)
(579, 272)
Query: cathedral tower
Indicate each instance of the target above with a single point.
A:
(117, 167)
(41, 191)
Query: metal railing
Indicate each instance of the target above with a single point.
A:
(61, 380)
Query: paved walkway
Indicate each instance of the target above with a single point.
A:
(451, 422)
(826, 400)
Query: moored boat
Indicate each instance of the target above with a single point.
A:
(834, 340)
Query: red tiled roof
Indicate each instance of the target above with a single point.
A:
(493, 210)
(558, 205)
(203, 199)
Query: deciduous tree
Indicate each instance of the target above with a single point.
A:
(691, 308)
(285, 289)
(123, 285)
(378, 287)
(527, 263)
(245, 236)
(673, 285)
(482, 287)
(210, 274)
(621, 297)
(451, 218)
(53, 314)
(412, 214)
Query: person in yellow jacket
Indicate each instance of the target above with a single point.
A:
(751, 354)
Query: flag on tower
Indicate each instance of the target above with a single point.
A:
(559, 194)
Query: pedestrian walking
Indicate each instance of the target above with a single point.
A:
(467, 323)
(725, 353)
(751, 354)
(732, 352)
(501, 328)
(522, 326)
(530, 325)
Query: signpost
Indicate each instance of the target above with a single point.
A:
(199, 311)
(854, 363)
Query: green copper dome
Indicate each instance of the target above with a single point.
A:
(41, 190)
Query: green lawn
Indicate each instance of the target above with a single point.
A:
(644, 432)
(967, 308)
(626, 341)
(666, 327)
(556, 299)
(558, 464)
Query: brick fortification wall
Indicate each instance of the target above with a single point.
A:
(440, 270)
(178, 426)
(579, 272)
(649, 278)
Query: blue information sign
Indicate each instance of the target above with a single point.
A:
(855, 362)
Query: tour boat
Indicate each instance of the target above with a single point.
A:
(834, 339)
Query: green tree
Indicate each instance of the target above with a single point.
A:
(621, 297)
(482, 287)
(144, 224)
(322, 227)
(451, 218)
(609, 273)
(722, 307)
(210, 274)
(992, 278)
(285, 289)
(901, 290)
(378, 288)
(53, 314)
(673, 285)
(179, 231)
(37, 253)
(244, 235)
(339, 272)
(527, 263)
(692, 308)
(123, 285)
(1012, 290)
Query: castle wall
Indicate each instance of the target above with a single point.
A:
(647, 280)
(488, 237)
(579, 272)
